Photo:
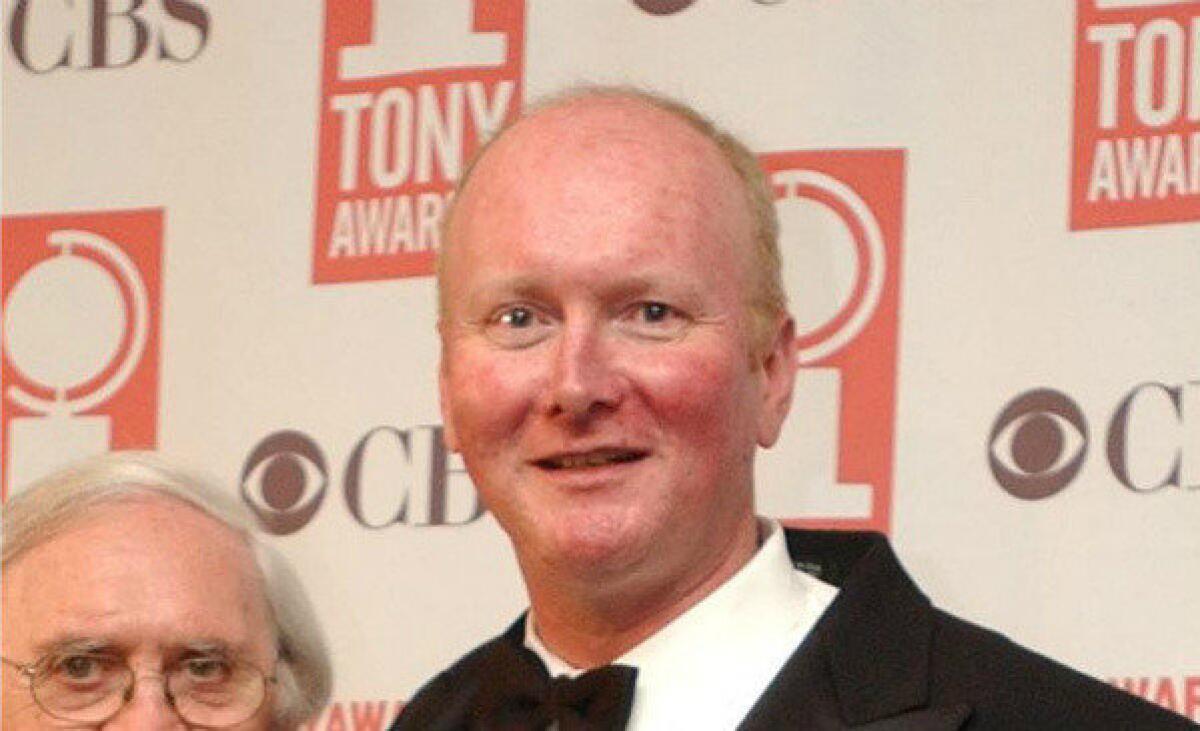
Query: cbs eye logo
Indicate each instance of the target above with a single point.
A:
(670, 7)
(284, 481)
(1038, 444)
(663, 7)
(414, 481)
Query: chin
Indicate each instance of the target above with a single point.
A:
(597, 545)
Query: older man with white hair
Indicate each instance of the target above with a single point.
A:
(137, 596)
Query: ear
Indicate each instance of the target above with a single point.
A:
(778, 366)
(449, 433)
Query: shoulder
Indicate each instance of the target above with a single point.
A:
(886, 640)
(445, 701)
(1010, 686)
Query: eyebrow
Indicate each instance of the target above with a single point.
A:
(519, 285)
(525, 286)
(80, 644)
(206, 646)
(71, 644)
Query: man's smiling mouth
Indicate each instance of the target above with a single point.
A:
(590, 459)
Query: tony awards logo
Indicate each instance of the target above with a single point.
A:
(80, 338)
(840, 224)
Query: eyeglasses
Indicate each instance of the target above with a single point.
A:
(91, 687)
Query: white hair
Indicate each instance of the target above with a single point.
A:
(51, 505)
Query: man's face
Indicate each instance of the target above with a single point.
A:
(596, 371)
(150, 580)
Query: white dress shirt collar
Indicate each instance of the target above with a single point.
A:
(707, 668)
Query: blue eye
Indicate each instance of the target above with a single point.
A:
(655, 311)
(517, 317)
(518, 326)
(653, 320)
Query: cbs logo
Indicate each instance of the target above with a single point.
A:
(1040, 441)
(1038, 444)
(670, 7)
(391, 477)
(45, 35)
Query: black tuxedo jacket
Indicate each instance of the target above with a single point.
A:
(881, 658)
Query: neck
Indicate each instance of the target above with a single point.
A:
(590, 621)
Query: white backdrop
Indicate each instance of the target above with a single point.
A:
(980, 200)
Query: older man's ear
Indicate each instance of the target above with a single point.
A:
(778, 366)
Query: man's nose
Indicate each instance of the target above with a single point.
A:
(584, 381)
(148, 708)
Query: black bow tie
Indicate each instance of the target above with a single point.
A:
(518, 694)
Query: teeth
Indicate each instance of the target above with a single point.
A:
(592, 459)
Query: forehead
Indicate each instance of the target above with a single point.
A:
(609, 173)
(614, 132)
(145, 571)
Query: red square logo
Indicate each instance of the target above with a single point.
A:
(82, 303)
(409, 91)
(841, 229)
(1136, 154)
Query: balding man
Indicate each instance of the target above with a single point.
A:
(135, 596)
(615, 348)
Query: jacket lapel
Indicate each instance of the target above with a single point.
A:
(948, 718)
(865, 665)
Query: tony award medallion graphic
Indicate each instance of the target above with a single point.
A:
(80, 338)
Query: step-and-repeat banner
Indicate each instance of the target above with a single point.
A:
(220, 220)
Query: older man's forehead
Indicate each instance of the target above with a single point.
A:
(149, 572)
(142, 531)
(158, 515)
